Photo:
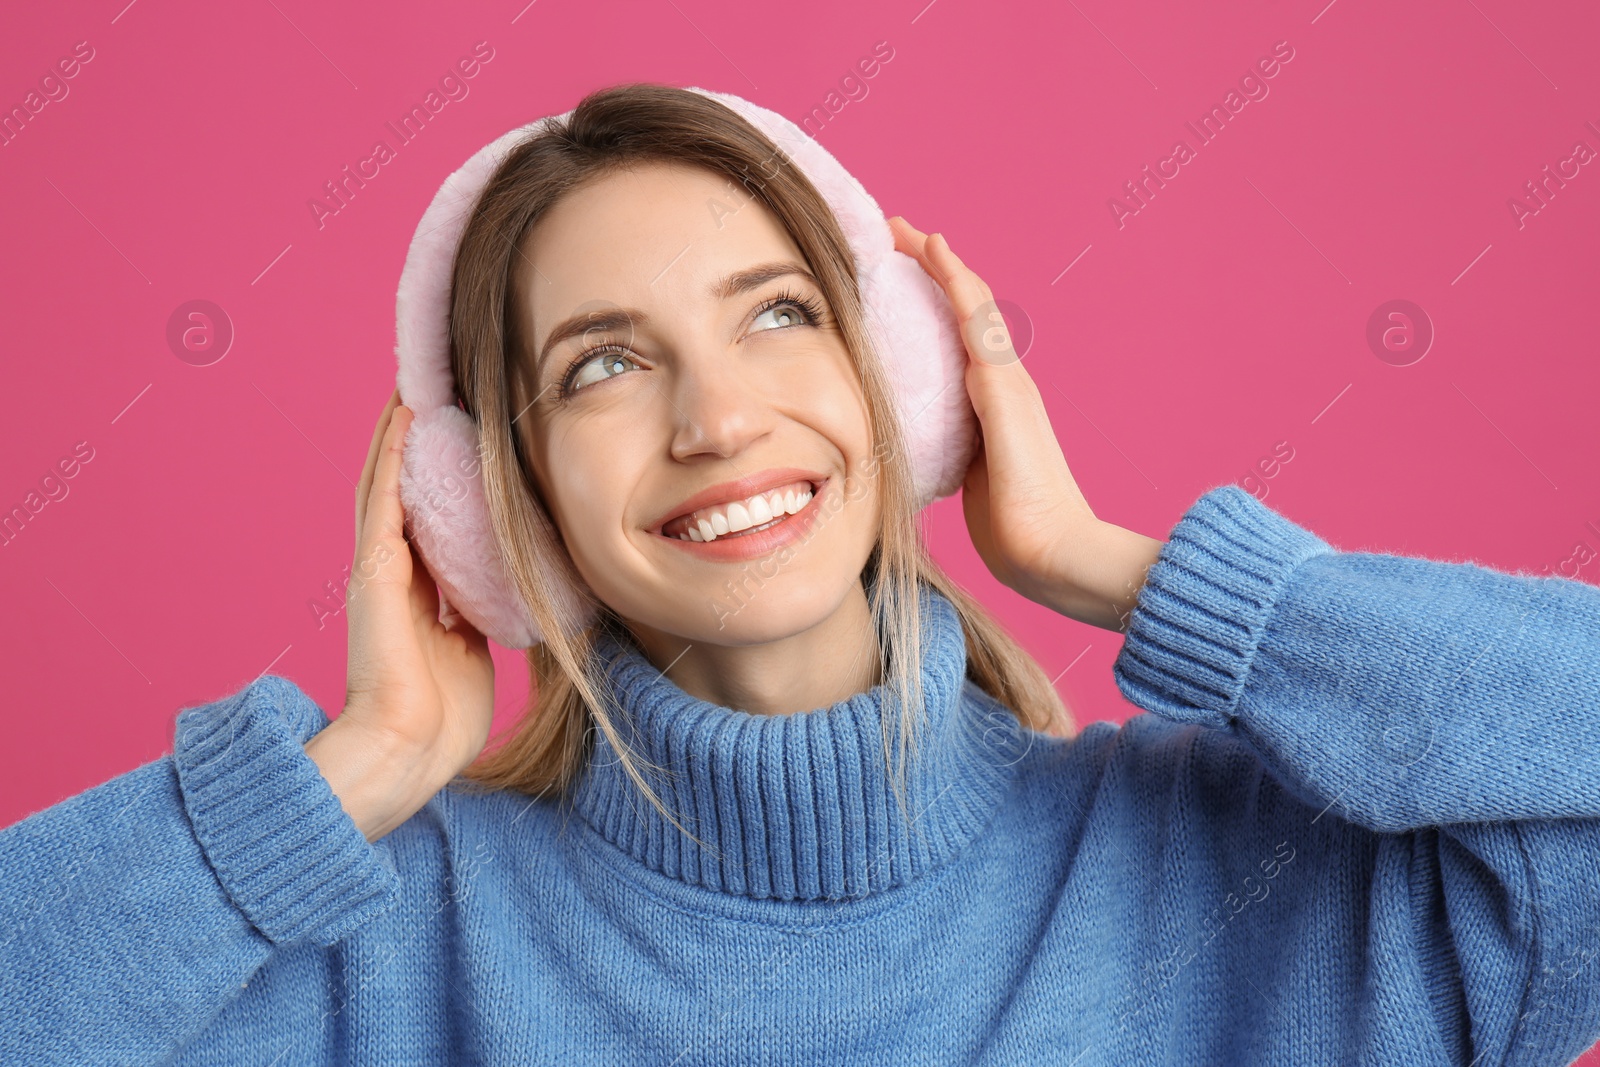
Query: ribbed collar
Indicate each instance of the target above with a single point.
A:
(801, 806)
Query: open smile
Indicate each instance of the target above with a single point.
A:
(751, 527)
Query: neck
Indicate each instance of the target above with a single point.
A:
(805, 806)
(815, 668)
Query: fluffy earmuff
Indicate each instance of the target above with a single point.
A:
(908, 316)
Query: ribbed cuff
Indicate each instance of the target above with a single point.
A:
(288, 855)
(1205, 603)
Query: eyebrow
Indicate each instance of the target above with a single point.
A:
(613, 319)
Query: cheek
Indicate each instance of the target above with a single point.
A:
(584, 472)
(823, 385)
(833, 405)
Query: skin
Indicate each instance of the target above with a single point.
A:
(708, 391)
(716, 393)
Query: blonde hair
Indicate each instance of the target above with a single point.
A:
(614, 128)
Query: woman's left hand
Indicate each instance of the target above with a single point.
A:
(1028, 519)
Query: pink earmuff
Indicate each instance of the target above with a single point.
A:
(909, 318)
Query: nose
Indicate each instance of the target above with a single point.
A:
(717, 409)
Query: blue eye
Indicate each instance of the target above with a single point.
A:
(788, 303)
(607, 358)
(611, 359)
(793, 312)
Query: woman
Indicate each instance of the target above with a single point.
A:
(1362, 824)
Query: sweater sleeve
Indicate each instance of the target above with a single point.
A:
(1450, 710)
(132, 913)
(1408, 692)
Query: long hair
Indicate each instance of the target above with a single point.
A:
(612, 128)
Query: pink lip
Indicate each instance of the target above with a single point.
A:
(739, 489)
(746, 546)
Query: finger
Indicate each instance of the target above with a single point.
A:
(384, 519)
(907, 237)
(364, 486)
(968, 292)
(449, 617)
(983, 327)
(965, 288)
(975, 494)
(461, 626)
(1015, 425)
(454, 622)
(913, 242)
(922, 247)
(957, 274)
(424, 595)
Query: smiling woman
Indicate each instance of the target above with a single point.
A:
(1359, 824)
(638, 353)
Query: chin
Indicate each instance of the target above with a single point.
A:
(769, 615)
(744, 610)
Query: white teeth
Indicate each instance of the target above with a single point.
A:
(757, 511)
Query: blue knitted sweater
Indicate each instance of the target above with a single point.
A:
(1361, 824)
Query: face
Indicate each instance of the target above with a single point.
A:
(689, 377)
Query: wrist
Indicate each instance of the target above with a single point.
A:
(380, 779)
(1098, 575)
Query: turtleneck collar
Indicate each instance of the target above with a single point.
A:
(801, 806)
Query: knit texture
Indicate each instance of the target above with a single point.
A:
(1359, 823)
(802, 806)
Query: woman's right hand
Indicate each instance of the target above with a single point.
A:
(419, 696)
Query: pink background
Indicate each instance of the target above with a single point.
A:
(1227, 315)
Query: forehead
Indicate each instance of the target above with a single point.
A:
(653, 233)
